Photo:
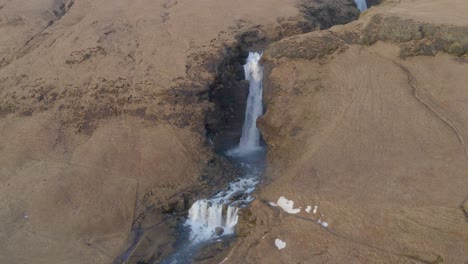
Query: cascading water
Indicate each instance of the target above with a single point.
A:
(218, 215)
(250, 139)
(205, 216)
(361, 5)
(220, 211)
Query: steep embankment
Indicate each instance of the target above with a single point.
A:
(368, 122)
(102, 116)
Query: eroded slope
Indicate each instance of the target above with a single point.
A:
(373, 134)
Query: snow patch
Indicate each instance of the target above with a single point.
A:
(324, 224)
(308, 208)
(287, 205)
(280, 244)
(315, 209)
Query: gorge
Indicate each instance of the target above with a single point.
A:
(130, 131)
(217, 216)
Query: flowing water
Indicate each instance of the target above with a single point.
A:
(361, 5)
(211, 218)
(250, 139)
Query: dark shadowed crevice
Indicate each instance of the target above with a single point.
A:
(373, 2)
(329, 13)
(229, 91)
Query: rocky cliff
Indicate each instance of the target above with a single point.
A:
(366, 125)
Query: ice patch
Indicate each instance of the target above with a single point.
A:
(287, 205)
(280, 244)
(308, 208)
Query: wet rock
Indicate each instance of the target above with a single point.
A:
(219, 231)
(236, 196)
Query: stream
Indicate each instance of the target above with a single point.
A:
(214, 218)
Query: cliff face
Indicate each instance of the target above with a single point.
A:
(103, 110)
(369, 123)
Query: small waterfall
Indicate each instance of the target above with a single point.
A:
(361, 5)
(205, 217)
(218, 215)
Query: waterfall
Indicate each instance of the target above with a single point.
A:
(361, 5)
(205, 217)
(250, 138)
(208, 219)
(217, 216)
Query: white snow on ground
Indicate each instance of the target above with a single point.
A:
(287, 205)
(324, 224)
(280, 244)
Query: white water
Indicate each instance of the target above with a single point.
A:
(361, 5)
(205, 216)
(250, 138)
(220, 211)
